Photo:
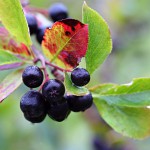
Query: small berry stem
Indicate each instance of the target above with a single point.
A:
(36, 60)
(42, 59)
(54, 66)
(40, 88)
(57, 74)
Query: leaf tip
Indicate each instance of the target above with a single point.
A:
(84, 4)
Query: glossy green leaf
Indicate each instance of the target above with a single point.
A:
(123, 107)
(10, 83)
(13, 19)
(134, 94)
(101, 88)
(131, 122)
(100, 43)
(7, 58)
(72, 89)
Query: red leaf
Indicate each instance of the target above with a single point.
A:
(66, 43)
(7, 42)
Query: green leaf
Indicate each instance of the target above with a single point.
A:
(72, 89)
(10, 83)
(13, 19)
(100, 43)
(7, 58)
(101, 88)
(134, 94)
(132, 122)
(123, 107)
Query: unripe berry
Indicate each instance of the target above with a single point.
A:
(80, 76)
(32, 76)
(53, 90)
(32, 23)
(58, 111)
(58, 11)
(79, 103)
(33, 106)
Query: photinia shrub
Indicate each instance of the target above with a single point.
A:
(64, 44)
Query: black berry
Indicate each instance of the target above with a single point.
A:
(32, 76)
(37, 119)
(80, 76)
(53, 90)
(32, 23)
(79, 103)
(33, 106)
(58, 11)
(58, 111)
(40, 33)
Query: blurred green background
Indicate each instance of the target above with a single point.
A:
(129, 22)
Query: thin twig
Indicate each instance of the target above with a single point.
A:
(54, 66)
(39, 57)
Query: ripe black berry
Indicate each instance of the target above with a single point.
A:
(33, 106)
(80, 76)
(58, 111)
(32, 23)
(32, 76)
(37, 119)
(79, 103)
(58, 11)
(53, 90)
(40, 33)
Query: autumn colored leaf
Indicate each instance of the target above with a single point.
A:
(7, 42)
(66, 43)
(10, 84)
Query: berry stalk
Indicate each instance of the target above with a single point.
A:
(58, 68)
(39, 57)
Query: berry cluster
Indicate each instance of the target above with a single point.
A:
(53, 100)
(57, 11)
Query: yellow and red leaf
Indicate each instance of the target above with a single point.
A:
(66, 43)
(7, 42)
